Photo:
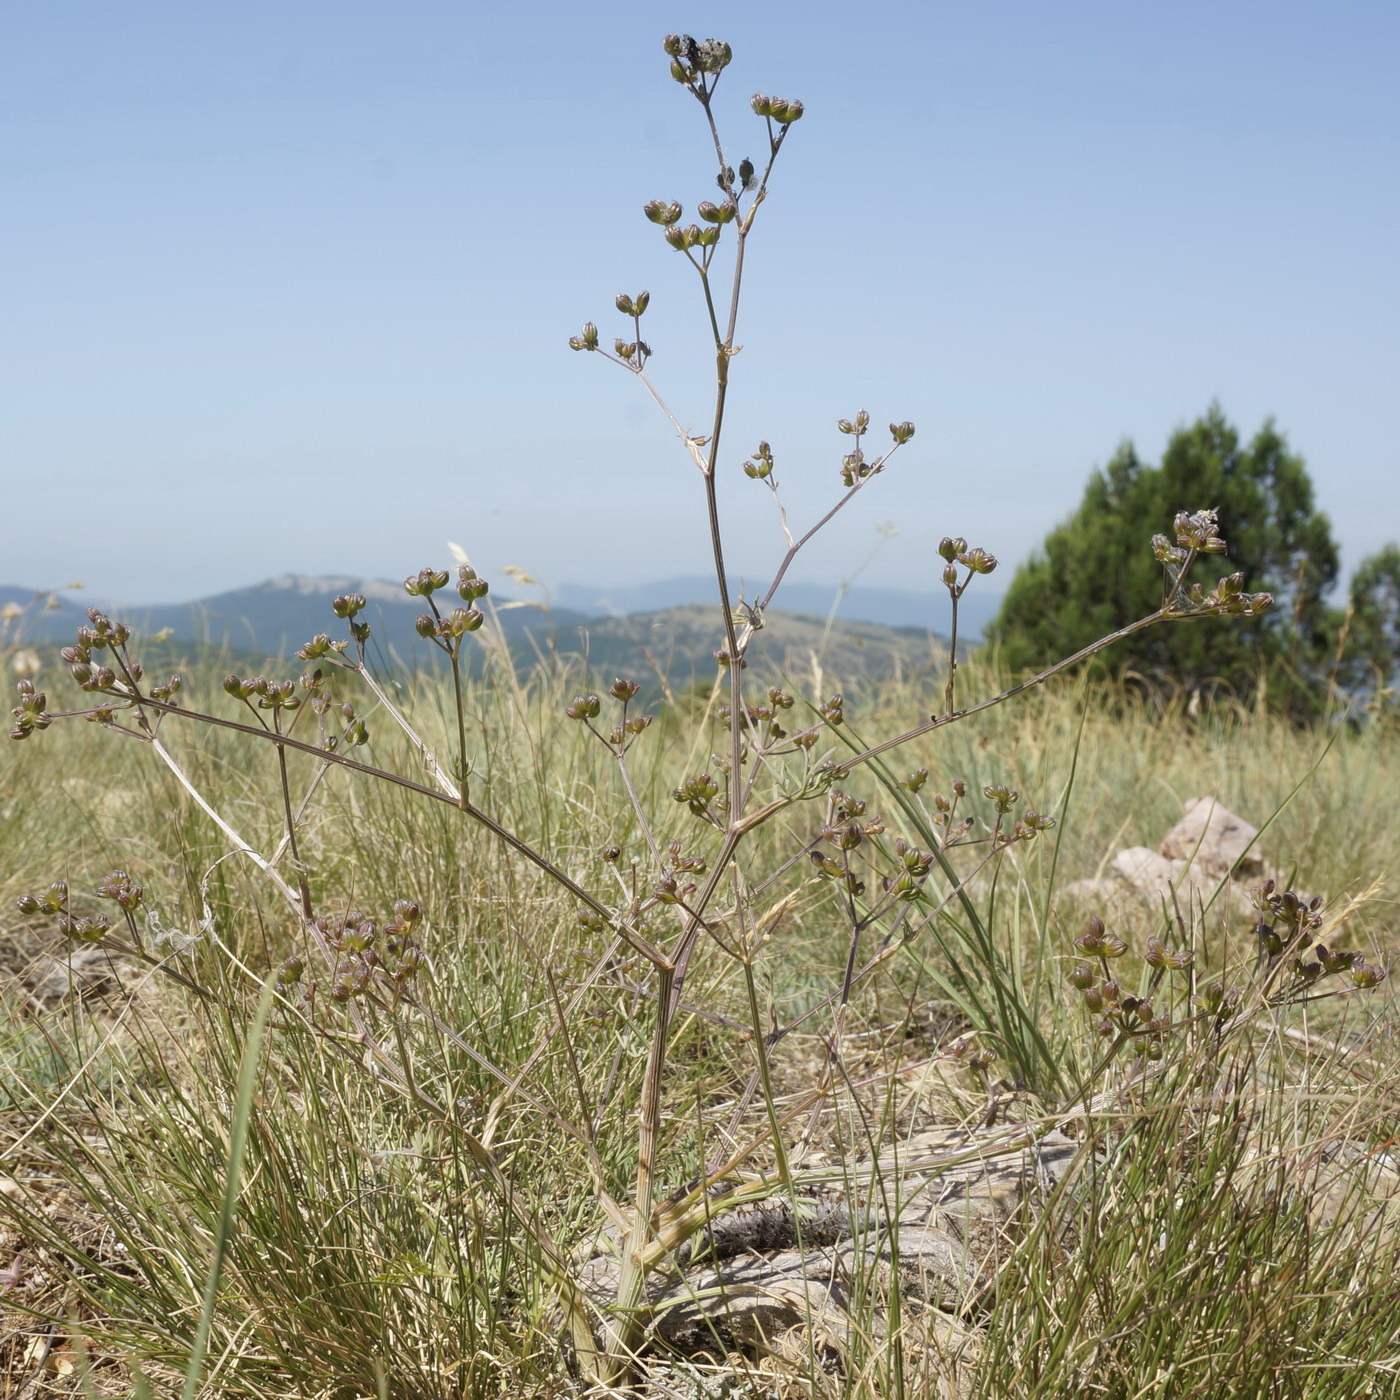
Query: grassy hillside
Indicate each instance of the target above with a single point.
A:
(677, 646)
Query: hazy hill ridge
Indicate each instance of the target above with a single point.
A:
(282, 604)
(894, 607)
(676, 639)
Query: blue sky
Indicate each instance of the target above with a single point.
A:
(288, 286)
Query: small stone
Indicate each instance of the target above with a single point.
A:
(1214, 839)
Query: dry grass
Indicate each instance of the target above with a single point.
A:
(370, 1257)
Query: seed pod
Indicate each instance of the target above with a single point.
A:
(584, 707)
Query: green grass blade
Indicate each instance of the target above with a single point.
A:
(233, 1176)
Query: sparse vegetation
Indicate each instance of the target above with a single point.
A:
(472, 983)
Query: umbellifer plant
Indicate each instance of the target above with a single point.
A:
(673, 889)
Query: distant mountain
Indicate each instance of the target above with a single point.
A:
(277, 616)
(893, 607)
(676, 642)
(274, 618)
(38, 615)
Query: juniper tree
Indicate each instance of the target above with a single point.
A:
(1093, 574)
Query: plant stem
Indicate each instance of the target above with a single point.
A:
(638, 941)
(455, 655)
(290, 820)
